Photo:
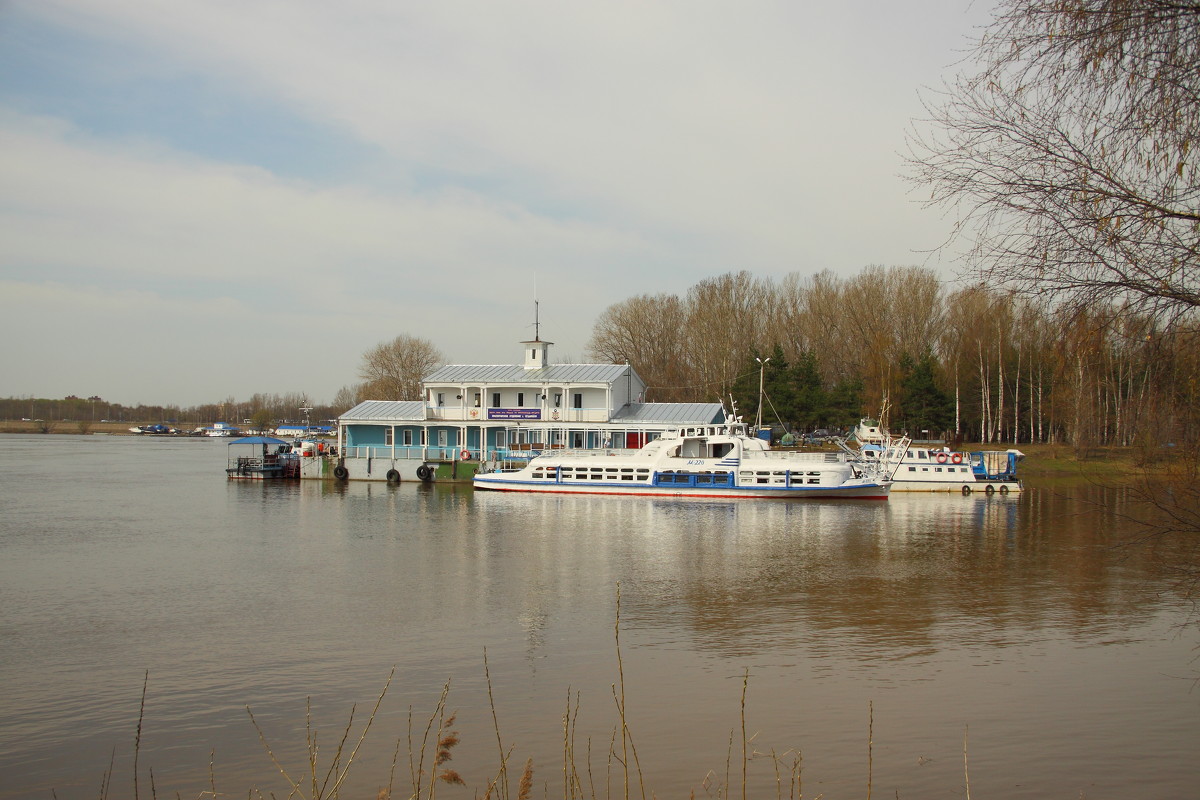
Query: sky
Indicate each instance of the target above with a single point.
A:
(219, 198)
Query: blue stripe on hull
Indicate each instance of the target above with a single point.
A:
(865, 492)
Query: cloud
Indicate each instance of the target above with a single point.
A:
(350, 172)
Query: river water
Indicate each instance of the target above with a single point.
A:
(923, 647)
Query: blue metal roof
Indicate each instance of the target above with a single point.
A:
(387, 410)
(670, 413)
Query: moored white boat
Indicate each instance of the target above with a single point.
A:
(717, 460)
(924, 468)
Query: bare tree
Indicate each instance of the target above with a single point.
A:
(646, 331)
(1069, 154)
(394, 370)
(347, 397)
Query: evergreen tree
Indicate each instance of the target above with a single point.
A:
(811, 401)
(923, 406)
(845, 406)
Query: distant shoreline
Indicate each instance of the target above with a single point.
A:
(1044, 464)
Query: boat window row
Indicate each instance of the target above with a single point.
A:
(570, 473)
(939, 469)
(780, 477)
(701, 479)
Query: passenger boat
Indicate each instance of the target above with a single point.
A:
(924, 468)
(718, 460)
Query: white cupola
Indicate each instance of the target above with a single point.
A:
(537, 354)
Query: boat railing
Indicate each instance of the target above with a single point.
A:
(824, 457)
(524, 455)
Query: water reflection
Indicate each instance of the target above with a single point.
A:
(1005, 612)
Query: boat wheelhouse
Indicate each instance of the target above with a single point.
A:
(699, 461)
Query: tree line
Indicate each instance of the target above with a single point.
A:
(899, 344)
(263, 410)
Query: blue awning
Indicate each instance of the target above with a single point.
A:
(258, 440)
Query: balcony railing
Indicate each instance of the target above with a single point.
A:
(551, 415)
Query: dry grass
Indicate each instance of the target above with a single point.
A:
(430, 753)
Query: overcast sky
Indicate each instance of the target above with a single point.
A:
(216, 198)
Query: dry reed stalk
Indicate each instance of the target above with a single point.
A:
(336, 768)
(966, 773)
(572, 784)
(106, 778)
(525, 787)
(627, 745)
(447, 741)
(137, 739)
(870, 745)
(417, 771)
(745, 759)
(501, 781)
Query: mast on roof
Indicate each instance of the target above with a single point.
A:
(537, 352)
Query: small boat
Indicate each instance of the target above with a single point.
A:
(718, 460)
(252, 458)
(152, 430)
(921, 467)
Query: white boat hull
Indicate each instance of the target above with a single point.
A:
(502, 482)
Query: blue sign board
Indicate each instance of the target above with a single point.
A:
(514, 413)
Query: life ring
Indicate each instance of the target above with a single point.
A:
(424, 472)
(393, 476)
(465, 455)
(941, 458)
(956, 458)
(341, 473)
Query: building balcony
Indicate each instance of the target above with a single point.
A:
(513, 415)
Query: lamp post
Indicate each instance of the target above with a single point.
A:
(762, 367)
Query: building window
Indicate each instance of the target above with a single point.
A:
(495, 399)
(406, 437)
(478, 399)
(499, 438)
(441, 399)
(558, 400)
(520, 399)
(388, 435)
(442, 441)
(578, 398)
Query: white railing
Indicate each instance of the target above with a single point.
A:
(425, 453)
(471, 414)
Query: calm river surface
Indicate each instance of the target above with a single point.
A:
(877, 639)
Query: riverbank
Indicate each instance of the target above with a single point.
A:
(1044, 464)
